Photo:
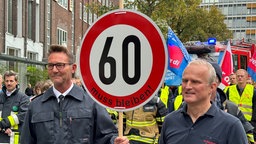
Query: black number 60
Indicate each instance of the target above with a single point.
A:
(112, 62)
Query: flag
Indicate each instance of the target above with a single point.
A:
(178, 55)
(171, 79)
(251, 69)
(226, 65)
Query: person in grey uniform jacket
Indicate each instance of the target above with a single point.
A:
(13, 107)
(65, 113)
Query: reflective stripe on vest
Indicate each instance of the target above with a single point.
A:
(164, 95)
(139, 123)
(143, 122)
(13, 119)
(143, 139)
(113, 114)
(250, 137)
(160, 119)
(244, 101)
(178, 101)
(14, 138)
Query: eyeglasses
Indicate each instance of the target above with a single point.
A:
(59, 66)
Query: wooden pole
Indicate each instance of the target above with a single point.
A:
(120, 124)
(121, 4)
(120, 114)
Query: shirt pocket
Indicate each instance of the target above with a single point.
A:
(209, 140)
(43, 124)
(80, 124)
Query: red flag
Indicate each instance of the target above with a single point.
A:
(226, 65)
(252, 65)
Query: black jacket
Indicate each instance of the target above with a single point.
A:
(83, 121)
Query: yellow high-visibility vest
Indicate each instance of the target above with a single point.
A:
(244, 101)
(165, 95)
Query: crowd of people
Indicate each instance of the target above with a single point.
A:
(198, 111)
(59, 110)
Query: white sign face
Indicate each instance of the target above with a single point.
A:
(145, 59)
(123, 60)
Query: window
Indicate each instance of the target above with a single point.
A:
(32, 55)
(70, 5)
(95, 17)
(243, 62)
(63, 3)
(90, 17)
(80, 11)
(9, 16)
(62, 37)
(30, 21)
(253, 11)
(85, 14)
(225, 10)
(13, 65)
(229, 23)
(235, 64)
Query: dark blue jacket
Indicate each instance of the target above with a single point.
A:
(82, 120)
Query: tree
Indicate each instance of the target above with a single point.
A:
(96, 7)
(187, 19)
(36, 74)
(216, 26)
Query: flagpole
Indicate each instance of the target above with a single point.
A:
(120, 114)
(121, 4)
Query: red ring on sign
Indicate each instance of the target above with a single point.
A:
(159, 65)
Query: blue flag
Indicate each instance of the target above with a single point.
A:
(178, 54)
(171, 79)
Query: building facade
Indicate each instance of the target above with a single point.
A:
(29, 27)
(240, 16)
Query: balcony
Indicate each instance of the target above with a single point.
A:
(250, 31)
(251, 18)
(251, 5)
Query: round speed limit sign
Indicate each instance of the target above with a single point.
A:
(123, 60)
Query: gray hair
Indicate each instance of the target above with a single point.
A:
(211, 72)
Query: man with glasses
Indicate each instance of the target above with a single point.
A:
(65, 113)
(244, 96)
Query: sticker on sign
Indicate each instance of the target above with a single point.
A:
(122, 60)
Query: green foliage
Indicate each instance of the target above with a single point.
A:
(191, 22)
(99, 9)
(187, 19)
(36, 74)
(3, 68)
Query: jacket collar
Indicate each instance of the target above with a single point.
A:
(211, 112)
(76, 92)
(4, 89)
